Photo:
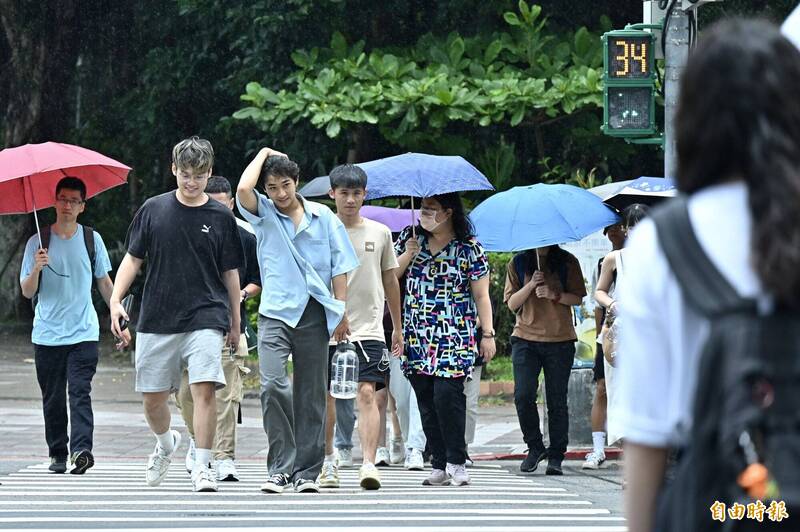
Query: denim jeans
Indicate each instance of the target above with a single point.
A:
(59, 369)
(529, 359)
(443, 408)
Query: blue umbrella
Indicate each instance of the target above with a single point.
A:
(420, 175)
(316, 188)
(539, 215)
(647, 190)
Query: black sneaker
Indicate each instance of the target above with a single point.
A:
(531, 461)
(81, 461)
(58, 465)
(275, 483)
(554, 467)
(303, 485)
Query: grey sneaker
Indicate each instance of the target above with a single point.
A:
(458, 474)
(58, 465)
(438, 477)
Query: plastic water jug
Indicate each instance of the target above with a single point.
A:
(344, 371)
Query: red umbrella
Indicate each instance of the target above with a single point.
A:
(29, 174)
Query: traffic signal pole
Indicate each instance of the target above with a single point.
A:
(676, 54)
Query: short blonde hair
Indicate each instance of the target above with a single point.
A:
(193, 153)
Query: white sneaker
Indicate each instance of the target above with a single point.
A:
(190, 456)
(158, 462)
(382, 457)
(328, 476)
(594, 460)
(344, 457)
(458, 474)
(226, 470)
(414, 461)
(397, 452)
(203, 478)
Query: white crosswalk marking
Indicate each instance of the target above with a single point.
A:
(113, 496)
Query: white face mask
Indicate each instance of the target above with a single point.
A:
(428, 222)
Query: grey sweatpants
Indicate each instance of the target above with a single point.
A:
(294, 410)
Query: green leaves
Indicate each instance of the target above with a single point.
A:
(516, 78)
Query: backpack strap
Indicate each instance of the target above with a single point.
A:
(520, 267)
(88, 240)
(702, 284)
(44, 234)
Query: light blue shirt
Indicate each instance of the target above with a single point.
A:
(299, 264)
(65, 314)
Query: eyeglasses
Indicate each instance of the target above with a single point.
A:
(70, 202)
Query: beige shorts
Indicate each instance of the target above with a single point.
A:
(160, 359)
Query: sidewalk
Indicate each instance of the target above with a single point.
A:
(121, 430)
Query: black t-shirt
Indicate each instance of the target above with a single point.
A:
(187, 250)
(248, 272)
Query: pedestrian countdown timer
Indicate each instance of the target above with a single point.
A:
(629, 84)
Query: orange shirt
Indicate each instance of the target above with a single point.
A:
(544, 320)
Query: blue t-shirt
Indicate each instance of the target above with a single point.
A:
(297, 264)
(65, 314)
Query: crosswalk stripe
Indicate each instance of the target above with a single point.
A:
(114, 495)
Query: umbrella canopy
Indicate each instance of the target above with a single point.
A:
(609, 189)
(647, 190)
(29, 174)
(395, 219)
(539, 215)
(316, 188)
(421, 176)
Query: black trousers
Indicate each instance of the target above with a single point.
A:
(443, 409)
(60, 369)
(529, 359)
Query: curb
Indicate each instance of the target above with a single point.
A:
(612, 453)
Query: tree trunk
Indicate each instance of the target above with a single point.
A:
(43, 48)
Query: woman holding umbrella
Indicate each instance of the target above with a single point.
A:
(447, 290)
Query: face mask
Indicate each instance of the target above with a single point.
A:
(429, 222)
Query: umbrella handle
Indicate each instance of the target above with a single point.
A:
(413, 220)
(538, 265)
(35, 216)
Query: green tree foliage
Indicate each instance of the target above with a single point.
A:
(524, 76)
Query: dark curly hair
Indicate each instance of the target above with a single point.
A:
(462, 226)
(739, 118)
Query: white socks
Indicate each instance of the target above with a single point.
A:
(202, 456)
(599, 442)
(330, 458)
(166, 442)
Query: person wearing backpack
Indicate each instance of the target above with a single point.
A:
(611, 273)
(541, 287)
(58, 277)
(708, 367)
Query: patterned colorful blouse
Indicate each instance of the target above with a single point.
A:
(439, 311)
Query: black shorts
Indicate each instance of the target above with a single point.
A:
(368, 371)
(599, 366)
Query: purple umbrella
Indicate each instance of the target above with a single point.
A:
(395, 219)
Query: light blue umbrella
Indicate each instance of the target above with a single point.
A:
(539, 215)
(419, 175)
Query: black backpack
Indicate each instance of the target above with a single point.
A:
(747, 404)
(88, 240)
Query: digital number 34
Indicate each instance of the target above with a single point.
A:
(629, 54)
